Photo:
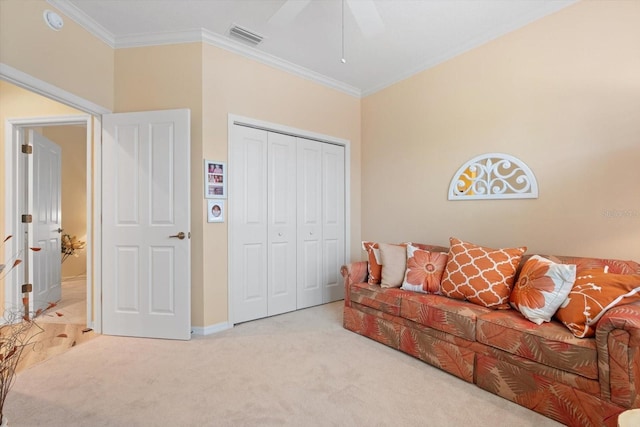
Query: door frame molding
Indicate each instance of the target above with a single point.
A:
(93, 123)
(234, 119)
(14, 134)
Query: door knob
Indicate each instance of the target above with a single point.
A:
(180, 235)
(59, 230)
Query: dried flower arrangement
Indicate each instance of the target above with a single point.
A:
(71, 244)
(17, 332)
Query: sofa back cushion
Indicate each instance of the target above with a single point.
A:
(481, 275)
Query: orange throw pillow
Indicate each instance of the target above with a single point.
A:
(593, 293)
(541, 288)
(424, 270)
(375, 267)
(480, 275)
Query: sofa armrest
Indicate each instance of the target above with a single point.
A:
(356, 272)
(618, 341)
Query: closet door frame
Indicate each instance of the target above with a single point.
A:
(234, 119)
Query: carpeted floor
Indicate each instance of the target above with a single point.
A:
(297, 369)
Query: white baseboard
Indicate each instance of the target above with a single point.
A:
(211, 329)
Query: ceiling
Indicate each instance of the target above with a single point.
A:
(384, 40)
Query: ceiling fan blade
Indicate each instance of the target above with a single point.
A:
(288, 12)
(367, 17)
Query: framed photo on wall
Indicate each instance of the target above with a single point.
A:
(215, 210)
(215, 179)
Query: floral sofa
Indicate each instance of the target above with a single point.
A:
(545, 367)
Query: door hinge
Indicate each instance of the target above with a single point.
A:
(27, 287)
(27, 149)
(27, 219)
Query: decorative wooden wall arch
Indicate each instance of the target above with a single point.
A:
(493, 176)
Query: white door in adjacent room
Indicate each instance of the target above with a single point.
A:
(146, 283)
(46, 199)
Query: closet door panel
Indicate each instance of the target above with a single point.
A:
(309, 234)
(248, 223)
(281, 223)
(333, 221)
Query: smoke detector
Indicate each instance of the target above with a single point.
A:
(245, 35)
(53, 20)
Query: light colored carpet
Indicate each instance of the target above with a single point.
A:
(297, 369)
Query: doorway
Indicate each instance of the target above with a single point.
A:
(18, 175)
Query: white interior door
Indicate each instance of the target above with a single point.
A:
(146, 284)
(309, 223)
(281, 223)
(248, 224)
(333, 221)
(46, 207)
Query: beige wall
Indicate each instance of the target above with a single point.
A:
(73, 142)
(236, 85)
(71, 59)
(562, 94)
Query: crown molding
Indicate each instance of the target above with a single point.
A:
(85, 21)
(158, 39)
(197, 36)
(268, 59)
(451, 53)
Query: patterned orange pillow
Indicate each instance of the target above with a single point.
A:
(593, 293)
(375, 266)
(480, 275)
(424, 270)
(541, 288)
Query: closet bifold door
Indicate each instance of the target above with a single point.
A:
(333, 221)
(309, 234)
(248, 188)
(281, 229)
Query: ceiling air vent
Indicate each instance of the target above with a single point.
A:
(246, 35)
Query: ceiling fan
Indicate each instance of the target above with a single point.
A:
(365, 13)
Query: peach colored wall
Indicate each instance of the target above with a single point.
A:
(71, 59)
(562, 94)
(236, 85)
(73, 142)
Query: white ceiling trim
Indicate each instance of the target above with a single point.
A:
(84, 21)
(458, 50)
(268, 59)
(197, 36)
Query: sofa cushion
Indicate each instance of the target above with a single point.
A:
(386, 300)
(424, 270)
(541, 288)
(550, 343)
(593, 293)
(441, 313)
(481, 275)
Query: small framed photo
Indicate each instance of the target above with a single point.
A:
(215, 210)
(215, 179)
